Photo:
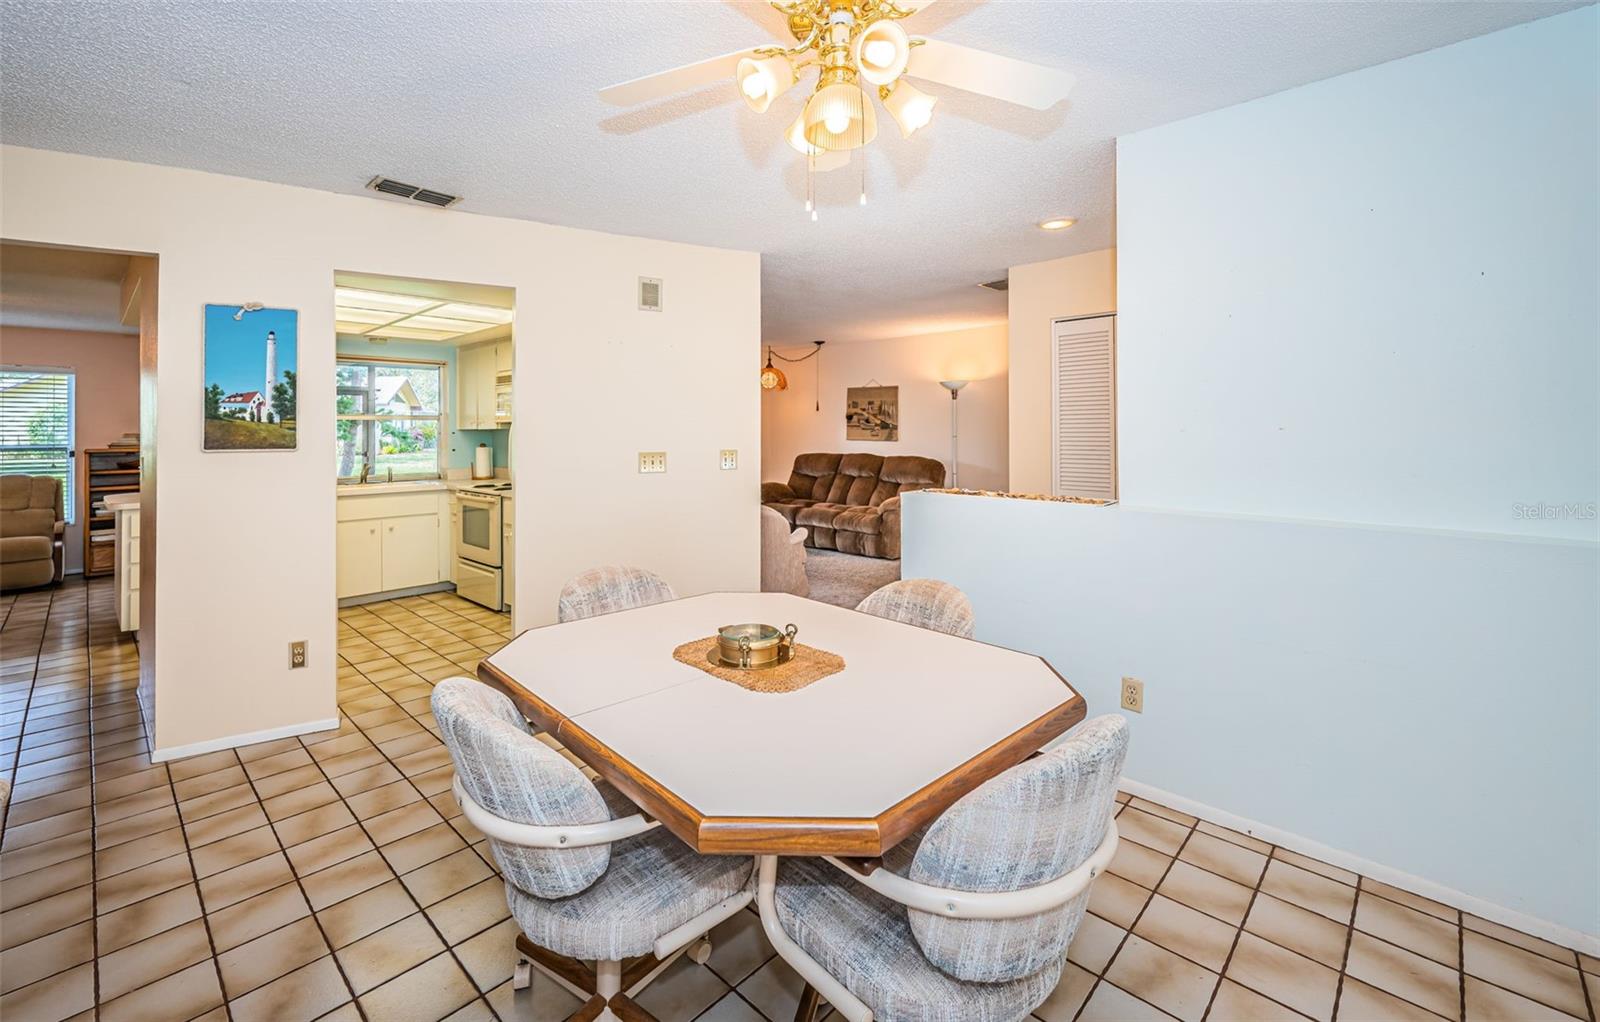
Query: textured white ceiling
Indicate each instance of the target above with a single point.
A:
(496, 102)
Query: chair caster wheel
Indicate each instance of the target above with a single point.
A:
(700, 951)
(522, 979)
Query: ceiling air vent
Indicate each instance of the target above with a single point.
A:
(399, 189)
(1003, 284)
(649, 294)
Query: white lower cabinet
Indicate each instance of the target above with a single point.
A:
(410, 551)
(389, 542)
(360, 558)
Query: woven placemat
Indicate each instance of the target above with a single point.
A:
(808, 664)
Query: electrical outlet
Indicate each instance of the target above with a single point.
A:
(1133, 694)
(297, 654)
(652, 461)
(730, 460)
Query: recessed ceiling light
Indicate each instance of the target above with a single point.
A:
(1059, 223)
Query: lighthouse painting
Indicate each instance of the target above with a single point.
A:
(250, 378)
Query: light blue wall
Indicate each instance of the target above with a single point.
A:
(1423, 700)
(462, 441)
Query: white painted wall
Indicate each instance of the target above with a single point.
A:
(597, 381)
(1369, 301)
(1373, 298)
(1040, 293)
(791, 424)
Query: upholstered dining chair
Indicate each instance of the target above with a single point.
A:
(969, 919)
(924, 602)
(608, 590)
(588, 877)
(783, 556)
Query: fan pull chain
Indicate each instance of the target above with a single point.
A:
(861, 102)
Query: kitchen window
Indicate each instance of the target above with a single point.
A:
(389, 419)
(36, 426)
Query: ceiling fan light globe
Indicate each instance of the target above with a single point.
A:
(910, 107)
(839, 116)
(796, 137)
(763, 79)
(880, 52)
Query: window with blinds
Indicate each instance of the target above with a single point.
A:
(1084, 447)
(36, 426)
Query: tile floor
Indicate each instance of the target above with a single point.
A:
(333, 877)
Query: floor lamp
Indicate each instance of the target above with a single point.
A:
(954, 387)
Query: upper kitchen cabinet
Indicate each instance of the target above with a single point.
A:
(483, 386)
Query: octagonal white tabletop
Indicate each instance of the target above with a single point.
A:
(848, 765)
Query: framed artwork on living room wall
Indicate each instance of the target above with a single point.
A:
(872, 413)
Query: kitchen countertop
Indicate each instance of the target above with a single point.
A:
(406, 486)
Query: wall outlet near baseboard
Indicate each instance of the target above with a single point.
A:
(1132, 694)
(730, 460)
(652, 461)
(297, 654)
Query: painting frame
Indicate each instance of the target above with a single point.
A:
(872, 413)
(249, 378)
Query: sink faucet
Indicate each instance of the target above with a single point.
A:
(365, 469)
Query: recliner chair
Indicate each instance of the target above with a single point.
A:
(31, 529)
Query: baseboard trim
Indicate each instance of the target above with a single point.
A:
(1566, 936)
(249, 738)
(396, 594)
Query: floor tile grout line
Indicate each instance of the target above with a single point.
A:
(296, 879)
(27, 704)
(1238, 935)
(205, 916)
(94, 809)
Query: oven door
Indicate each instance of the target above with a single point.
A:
(478, 531)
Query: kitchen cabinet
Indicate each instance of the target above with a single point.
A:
(483, 381)
(390, 541)
(125, 509)
(410, 552)
(360, 559)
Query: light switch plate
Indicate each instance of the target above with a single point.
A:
(730, 460)
(652, 461)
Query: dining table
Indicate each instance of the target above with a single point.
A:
(846, 767)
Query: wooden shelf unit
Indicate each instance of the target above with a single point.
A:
(106, 470)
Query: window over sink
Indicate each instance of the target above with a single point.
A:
(389, 419)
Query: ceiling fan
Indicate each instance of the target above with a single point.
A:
(858, 49)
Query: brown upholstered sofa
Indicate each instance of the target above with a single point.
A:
(31, 552)
(851, 502)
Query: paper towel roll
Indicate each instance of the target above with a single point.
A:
(483, 462)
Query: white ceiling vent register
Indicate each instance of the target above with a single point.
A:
(401, 190)
(649, 294)
(1085, 406)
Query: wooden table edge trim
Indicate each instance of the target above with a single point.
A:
(755, 835)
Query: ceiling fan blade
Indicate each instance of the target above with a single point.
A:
(989, 74)
(679, 79)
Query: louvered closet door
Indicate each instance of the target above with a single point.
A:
(1085, 406)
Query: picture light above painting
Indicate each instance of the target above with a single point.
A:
(250, 379)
